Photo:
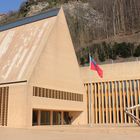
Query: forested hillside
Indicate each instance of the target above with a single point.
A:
(108, 29)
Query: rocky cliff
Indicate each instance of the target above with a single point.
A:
(92, 21)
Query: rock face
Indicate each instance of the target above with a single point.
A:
(84, 23)
(37, 8)
(92, 21)
(2, 16)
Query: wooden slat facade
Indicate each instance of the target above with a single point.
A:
(55, 94)
(3, 105)
(110, 99)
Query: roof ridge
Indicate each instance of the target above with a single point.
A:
(30, 19)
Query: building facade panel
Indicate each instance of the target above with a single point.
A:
(4, 95)
(110, 99)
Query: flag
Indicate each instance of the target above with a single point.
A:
(95, 66)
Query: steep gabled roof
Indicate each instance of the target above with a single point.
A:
(21, 43)
(27, 20)
(42, 54)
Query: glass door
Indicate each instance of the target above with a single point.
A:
(56, 118)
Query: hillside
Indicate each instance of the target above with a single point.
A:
(93, 22)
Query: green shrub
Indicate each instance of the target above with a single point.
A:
(112, 53)
(101, 53)
(82, 61)
(123, 50)
(137, 52)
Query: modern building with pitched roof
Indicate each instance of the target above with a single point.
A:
(110, 96)
(41, 82)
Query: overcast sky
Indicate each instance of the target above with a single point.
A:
(9, 5)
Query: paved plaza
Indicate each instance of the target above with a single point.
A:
(71, 133)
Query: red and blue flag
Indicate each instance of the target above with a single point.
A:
(95, 66)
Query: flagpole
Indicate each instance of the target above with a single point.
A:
(92, 66)
(90, 96)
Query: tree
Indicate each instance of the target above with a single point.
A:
(82, 61)
(123, 50)
(112, 52)
(137, 52)
(101, 53)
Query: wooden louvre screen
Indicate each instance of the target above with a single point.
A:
(56, 94)
(3, 105)
(110, 99)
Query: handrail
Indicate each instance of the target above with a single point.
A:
(132, 116)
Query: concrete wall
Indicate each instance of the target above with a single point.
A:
(57, 68)
(62, 105)
(18, 106)
(110, 95)
(112, 72)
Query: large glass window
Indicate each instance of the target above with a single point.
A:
(56, 118)
(45, 118)
(67, 118)
(35, 117)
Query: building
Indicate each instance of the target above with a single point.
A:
(41, 82)
(119, 88)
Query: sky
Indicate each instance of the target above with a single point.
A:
(9, 5)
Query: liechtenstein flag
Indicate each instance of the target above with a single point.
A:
(95, 66)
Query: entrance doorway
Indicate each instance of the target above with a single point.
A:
(67, 118)
(50, 117)
(35, 117)
(45, 118)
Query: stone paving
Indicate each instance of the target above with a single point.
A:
(71, 133)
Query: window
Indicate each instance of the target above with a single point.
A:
(55, 94)
(56, 118)
(35, 117)
(45, 118)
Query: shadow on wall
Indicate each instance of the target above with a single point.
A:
(74, 116)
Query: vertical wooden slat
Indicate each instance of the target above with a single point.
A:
(121, 101)
(124, 97)
(2, 99)
(90, 103)
(136, 97)
(139, 94)
(110, 109)
(33, 91)
(99, 97)
(106, 98)
(3, 105)
(7, 104)
(128, 97)
(102, 96)
(114, 103)
(117, 102)
(87, 93)
(37, 91)
(92, 99)
(131, 96)
(95, 92)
